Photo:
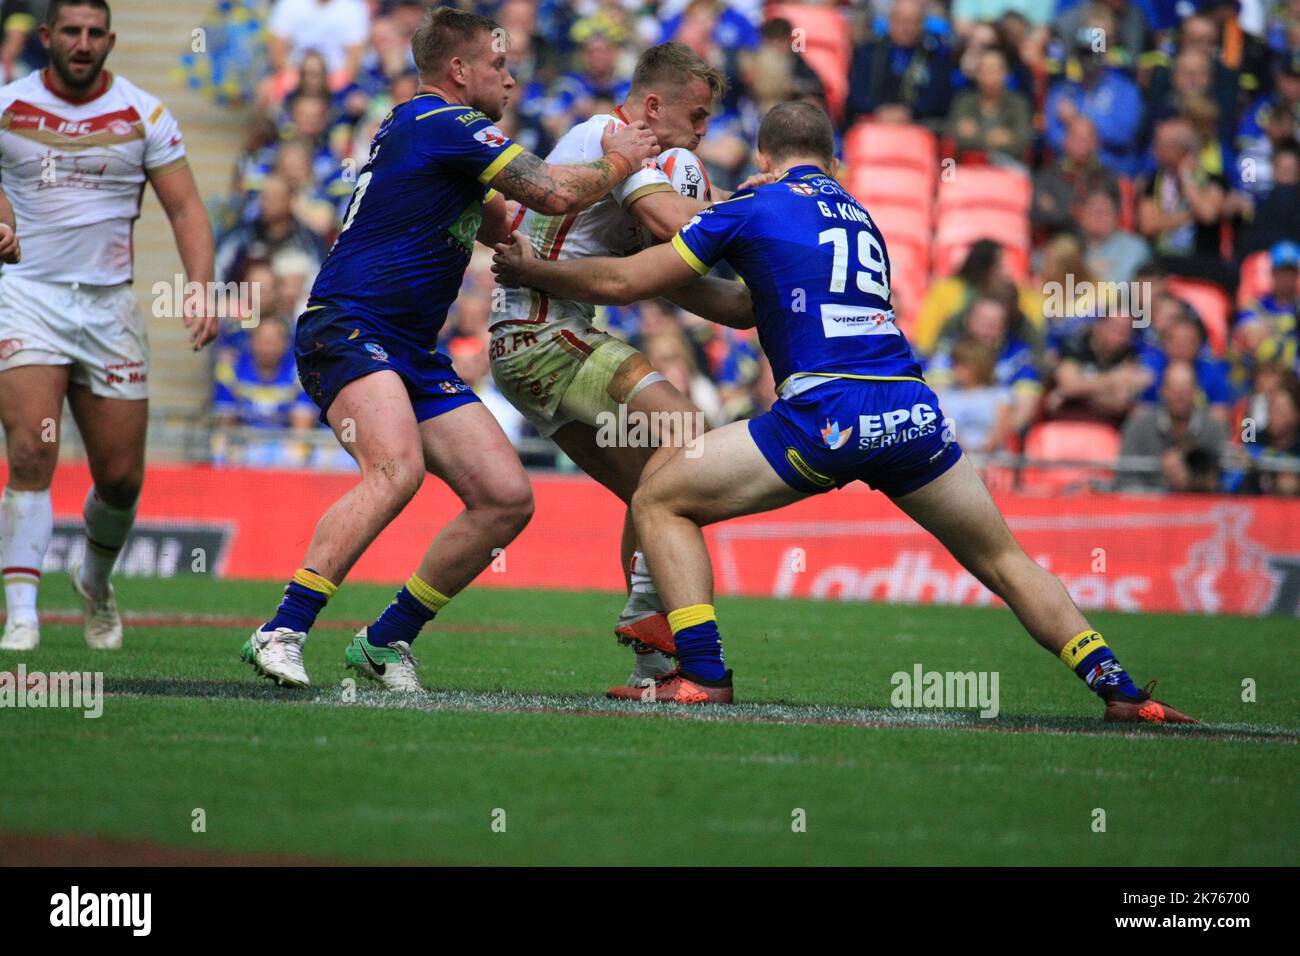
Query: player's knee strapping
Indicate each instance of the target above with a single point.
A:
(416, 604)
(1088, 655)
(699, 643)
(305, 597)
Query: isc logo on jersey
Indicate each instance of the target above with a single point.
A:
(897, 425)
(491, 136)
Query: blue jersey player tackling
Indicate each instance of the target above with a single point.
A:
(852, 406)
(366, 346)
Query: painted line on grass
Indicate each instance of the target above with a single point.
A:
(144, 619)
(513, 702)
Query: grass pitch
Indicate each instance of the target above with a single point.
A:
(518, 759)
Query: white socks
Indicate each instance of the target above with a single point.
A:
(641, 580)
(106, 531)
(26, 523)
(644, 599)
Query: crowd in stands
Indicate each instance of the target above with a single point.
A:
(1090, 206)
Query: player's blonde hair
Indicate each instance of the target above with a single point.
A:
(444, 34)
(672, 65)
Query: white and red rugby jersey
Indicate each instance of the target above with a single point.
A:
(605, 228)
(75, 174)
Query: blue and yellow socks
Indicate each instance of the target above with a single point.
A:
(307, 593)
(699, 645)
(1088, 655)
(416, 604)
(304, 597)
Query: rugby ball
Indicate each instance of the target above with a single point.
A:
(686, 172)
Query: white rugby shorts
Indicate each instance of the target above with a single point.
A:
(98, 330)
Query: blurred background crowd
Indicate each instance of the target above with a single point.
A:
(1090, 206)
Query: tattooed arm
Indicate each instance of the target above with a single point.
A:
(557, 190)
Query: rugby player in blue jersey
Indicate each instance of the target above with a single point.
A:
(852, 407)
(437, 179)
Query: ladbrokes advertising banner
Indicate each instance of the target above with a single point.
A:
(1201, 554)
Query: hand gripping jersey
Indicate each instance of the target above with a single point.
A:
(409, 231)
(818, 272)
(542, 342)
(605, 228)
(75, 174)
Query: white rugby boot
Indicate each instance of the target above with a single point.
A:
(393, 665)
(277, 655)
(20, 636)
(103, 623)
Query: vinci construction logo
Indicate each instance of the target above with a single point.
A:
(153, 549)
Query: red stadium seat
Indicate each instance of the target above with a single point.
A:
(827, 49)
(873, 145)
(900, 223)
(893, 186)
(909, 273)
(1256, 278)
(1211, 303)
(964, 226)
(833, 69)
(1069, 442)
(986, 187)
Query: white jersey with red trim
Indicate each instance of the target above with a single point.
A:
(605, 228)
(75, 175)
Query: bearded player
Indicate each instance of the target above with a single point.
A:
(77, 145)
(366, 346)
(852, 407)
(564, 374)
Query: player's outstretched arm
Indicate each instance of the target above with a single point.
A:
(558, 190)
(10, 251)
(724, 301)
(179, 195)
(601, 279)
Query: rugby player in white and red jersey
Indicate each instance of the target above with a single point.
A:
(568, 377)
(77, 145)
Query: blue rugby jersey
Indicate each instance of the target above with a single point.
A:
(409, 230)
(818, 272)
